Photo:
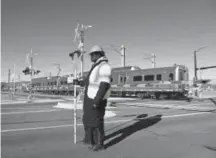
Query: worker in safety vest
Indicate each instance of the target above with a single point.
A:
(97, 91)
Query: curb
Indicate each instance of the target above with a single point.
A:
(201, 109)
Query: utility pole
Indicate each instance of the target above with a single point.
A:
(121, 52)
(58, 77)
(31, 71)
(19, 78)
(123, 55)
(14, 77)
(9, 74)
(153, 60)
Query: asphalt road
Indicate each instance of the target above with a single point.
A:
(45, 132)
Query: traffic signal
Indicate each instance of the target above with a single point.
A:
(78, 52)
(28, 71)
(37, 72)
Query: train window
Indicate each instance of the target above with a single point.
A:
(159, 77)
(170, 76)
(121, 79)
(111, 79)
(125, 78)
(137, 78)
(149, 78)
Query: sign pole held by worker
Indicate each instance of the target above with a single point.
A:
(75, 106)
(75, 58)
(79, 35)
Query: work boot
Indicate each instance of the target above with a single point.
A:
(87, 138)
(97, 147)
(98, 139)
(84, 143)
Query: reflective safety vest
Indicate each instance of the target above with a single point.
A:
(101, 73)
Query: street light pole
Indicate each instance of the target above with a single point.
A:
(195, 66)
(195, 62)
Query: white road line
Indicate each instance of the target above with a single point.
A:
(107, 122)
(26, 112)
(200, 104)
(171, 104)
(188, 114)
(24, 108)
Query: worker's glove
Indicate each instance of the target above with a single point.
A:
(94, 105)
(75, 82)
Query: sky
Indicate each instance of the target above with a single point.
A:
(172, 29)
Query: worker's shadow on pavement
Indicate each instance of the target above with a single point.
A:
(140, 124)
(213, 101)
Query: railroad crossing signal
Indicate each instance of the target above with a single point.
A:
(79, 35)
(30, 70)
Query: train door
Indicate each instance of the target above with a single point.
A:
(122, 79)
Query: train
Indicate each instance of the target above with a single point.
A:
(163, 82)
(129, 81)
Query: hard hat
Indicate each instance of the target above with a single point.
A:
(96, 48)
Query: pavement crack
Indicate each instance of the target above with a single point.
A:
(156, 134)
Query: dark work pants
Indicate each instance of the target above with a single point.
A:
(87, 137)
(95, 135)
(93, 121)
(98, 134)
